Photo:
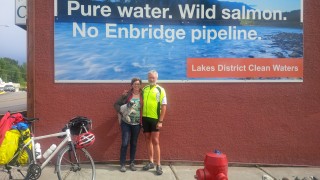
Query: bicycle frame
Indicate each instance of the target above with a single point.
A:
(59, 147)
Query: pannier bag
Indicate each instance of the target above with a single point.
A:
(23, 159)
(10, 145)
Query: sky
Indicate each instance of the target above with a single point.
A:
(13, 39)
(283, 5)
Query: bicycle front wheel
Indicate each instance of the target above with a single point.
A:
(69, 168)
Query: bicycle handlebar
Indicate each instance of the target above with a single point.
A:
(30, 119)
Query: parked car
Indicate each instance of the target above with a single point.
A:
(1, 89)
(9, 88)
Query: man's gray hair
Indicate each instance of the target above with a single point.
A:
(153, 72)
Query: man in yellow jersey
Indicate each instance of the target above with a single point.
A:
(154, 109)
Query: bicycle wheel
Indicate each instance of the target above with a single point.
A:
(18, 166)
(68, 168)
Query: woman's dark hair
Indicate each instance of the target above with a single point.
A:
(135, 79)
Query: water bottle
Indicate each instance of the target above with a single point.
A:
(49, 151)
(38, 150)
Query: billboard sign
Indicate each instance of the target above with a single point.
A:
(185, 41)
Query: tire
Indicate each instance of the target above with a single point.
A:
(67, 167)
(15, 165)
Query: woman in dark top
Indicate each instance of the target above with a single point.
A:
(130, 130)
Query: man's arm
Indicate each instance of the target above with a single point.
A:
(163, 112)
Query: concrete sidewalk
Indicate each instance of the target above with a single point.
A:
(185, 172)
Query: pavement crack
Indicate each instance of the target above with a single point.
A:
(257, 166)
(174, 171)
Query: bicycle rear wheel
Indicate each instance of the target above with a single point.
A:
(68, 168)
(18, 166)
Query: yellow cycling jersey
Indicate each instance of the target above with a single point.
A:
(153, 98)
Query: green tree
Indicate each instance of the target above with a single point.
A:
(11, 71)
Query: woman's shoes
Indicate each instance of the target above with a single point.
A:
(123, 168)
(132, 167)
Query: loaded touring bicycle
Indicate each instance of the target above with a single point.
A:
(73, 161)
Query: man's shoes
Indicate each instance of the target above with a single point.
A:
(159, 170)
(123, 168)
(148, 166)
(132, 167)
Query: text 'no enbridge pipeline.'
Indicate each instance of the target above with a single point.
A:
(186, 12)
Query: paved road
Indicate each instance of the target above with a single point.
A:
(13, 101)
